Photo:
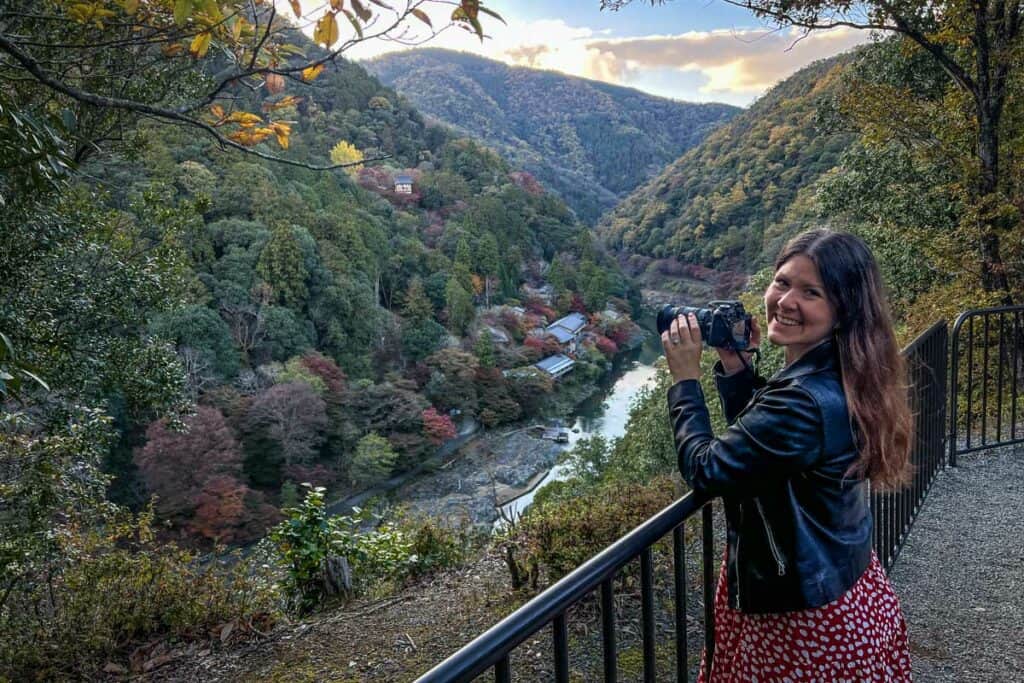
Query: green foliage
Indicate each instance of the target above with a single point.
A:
(198, 328)
(283, 268)
(372, 461)
(732, 200)
(459, 303)
(559, 534)
(310, 546)
(102, 593)
(589, 141)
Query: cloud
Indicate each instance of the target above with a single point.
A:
(728, 64)
(749, 61)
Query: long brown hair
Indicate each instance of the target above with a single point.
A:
(874, 374)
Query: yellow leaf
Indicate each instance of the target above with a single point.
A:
(281, 131)
(309, 73)
(326, 31)
(131, 6)
(217, 111)
(244, 119)
(287, 101)
(236, 29)
(200, 44)
(337, 4)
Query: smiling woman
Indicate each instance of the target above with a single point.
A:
(793, 470)
(799, 315)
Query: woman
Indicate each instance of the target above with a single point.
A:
(801, 595)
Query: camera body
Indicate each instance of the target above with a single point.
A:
(723, 324)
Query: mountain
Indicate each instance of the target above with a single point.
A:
(591, 142)
(730, 202)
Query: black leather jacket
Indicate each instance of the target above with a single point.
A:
(799, 535)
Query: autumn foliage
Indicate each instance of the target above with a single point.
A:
(437, 427)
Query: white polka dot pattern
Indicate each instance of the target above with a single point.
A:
(859, 637)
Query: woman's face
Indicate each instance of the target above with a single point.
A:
(798, 312)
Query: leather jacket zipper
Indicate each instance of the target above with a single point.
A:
(771, 539)
(738, 535)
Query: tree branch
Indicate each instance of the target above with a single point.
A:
(40, 75)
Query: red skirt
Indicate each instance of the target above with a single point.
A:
(860, 636)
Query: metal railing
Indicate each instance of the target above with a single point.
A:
(985, 395)
(893, 514)
(492, 648)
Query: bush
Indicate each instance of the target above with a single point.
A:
(558, 535)
(122, 591)
(327, 557)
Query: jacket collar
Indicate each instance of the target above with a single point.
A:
(821, 357)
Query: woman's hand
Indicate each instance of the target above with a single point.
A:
(683, 344)
(731, 361)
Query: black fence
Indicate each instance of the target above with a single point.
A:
(893, 513)
(986, 381)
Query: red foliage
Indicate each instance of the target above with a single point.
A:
(437, 427)
(175, 466)
(577, 304)
(327, 370)
(317, 475)
(538, 307)
(551, 346)
(620, 333)
(527, 182)
(606, 346)
(534, 343)
(228, 511)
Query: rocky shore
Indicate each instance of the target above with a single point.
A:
(490, 470)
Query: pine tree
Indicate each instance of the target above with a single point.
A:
(282, 266)
(460, 306)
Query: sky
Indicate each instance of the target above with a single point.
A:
(692, 50)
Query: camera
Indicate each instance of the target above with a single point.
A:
(723, 324)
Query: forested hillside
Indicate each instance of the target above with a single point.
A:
(590, 142)
(733, 200)
(208, 330)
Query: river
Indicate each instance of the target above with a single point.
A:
(605, 412)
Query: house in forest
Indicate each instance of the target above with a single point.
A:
(556, 365)
(567, 330)
(403, 183)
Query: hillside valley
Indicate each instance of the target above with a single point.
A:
(590, 142)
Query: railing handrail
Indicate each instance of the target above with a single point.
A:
(495, 643)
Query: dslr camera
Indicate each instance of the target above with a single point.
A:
(723, 324)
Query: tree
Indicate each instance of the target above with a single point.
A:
(437, 427)
(345, 153)
(977, 45)
(176, 465)
(417, 306)
(372, 461)
(484, 349)
(137, 60)
(459, 303)
(293, 418)
(488, 260)
(283, 267)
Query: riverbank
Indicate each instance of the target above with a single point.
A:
(491, 469)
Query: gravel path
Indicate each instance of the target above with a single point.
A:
(960, 575)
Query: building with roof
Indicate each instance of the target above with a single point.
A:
(403, 183)
(556, 365)
(567, 330)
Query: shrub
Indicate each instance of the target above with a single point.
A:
(120, 592)
(556, 536)
(326, 557)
